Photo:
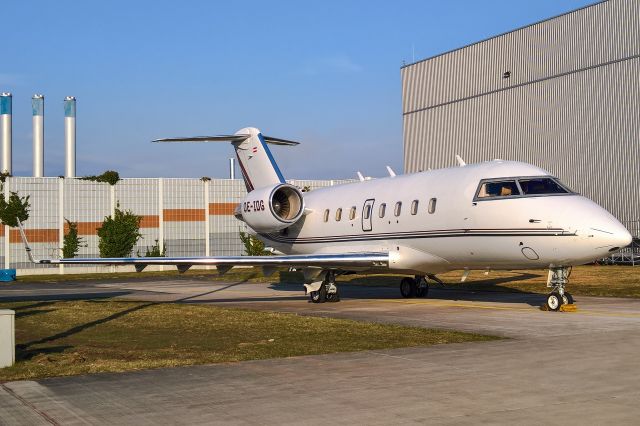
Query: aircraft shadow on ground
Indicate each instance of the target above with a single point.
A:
(387, 287)
(27, 350)
(43, 298)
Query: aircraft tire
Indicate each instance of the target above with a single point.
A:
(333, 297)
(319, 296)
(554, 301)
(567, 299)
(422, 291)
(408, 287)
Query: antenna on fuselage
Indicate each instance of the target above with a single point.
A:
(391, 172)
(460, 161)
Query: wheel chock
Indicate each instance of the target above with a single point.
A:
(563, 308)
(571, 307)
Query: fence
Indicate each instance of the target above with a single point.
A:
(188, 217)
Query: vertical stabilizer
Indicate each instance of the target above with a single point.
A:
(256, 161)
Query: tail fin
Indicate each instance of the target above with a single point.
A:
(254, 157)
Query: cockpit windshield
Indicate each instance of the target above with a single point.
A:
(538, 186)
(519, 187)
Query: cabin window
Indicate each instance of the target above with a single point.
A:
(432, 205)
(398, 208)
(504, 188)
(414, 207)
(352, 213)
(326, 215)
(382, 210)
(367, 211)
(339, 214)
(540, 186)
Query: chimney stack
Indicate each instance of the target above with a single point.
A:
(37, 104)
(5, 131)
(70, 136)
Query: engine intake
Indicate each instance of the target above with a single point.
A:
(272, 208)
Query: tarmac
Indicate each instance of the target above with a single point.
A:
(554, 368)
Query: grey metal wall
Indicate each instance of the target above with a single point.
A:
(571, 105)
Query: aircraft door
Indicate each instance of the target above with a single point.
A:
(367, 214)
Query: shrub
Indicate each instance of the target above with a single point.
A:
(16, 207)
(252, 245)
(119, 234)
(154, 250)
(72, 242)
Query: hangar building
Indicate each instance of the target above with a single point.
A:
(563, 94)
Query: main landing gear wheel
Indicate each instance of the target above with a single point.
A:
(328, 291)
(422, 291)
(408, 287)
(319, 296)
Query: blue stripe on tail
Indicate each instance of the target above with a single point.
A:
(273, 162)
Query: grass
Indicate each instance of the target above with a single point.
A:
(60, 338)
(587, 280)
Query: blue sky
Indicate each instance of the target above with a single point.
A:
(326, 73)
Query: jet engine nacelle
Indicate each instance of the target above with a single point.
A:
(272, 208)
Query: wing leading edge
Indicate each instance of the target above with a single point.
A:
(224, 263)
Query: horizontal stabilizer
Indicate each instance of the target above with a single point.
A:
(228, 138)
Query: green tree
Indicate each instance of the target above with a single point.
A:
(119, 234)
(111, 177)
(72, 242)
(16, 207)
(252, 245)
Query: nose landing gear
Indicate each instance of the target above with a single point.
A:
(557, 280)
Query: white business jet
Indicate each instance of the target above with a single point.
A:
(492, 215)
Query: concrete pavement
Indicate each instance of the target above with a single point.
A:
(556, 368)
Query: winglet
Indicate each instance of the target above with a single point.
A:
(27, 248)
(360, 176)
(391, 172)
(460, 161)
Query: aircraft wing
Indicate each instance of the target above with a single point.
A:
(224, 263)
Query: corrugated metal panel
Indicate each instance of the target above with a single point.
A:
(590, 36)
(571, 106)
(582, 127)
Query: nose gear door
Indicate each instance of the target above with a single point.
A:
(367, 214)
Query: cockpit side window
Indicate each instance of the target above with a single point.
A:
(540, 186)
(503, 188)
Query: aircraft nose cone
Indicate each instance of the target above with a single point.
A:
(616, 236)
(623, 238)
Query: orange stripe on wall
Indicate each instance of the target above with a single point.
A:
(222, 208)
(91, 228)
(184, 215)
(150, 221)
(1, 230)
(35, 235)
(85, 228)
